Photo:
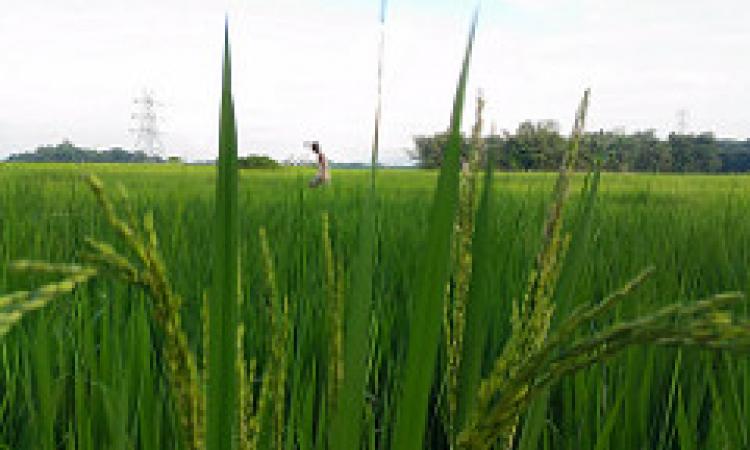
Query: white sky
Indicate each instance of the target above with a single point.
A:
(306, 69)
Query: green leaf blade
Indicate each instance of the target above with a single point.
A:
(427, 309)
(221, 389)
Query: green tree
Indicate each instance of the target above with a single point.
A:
(257, 162)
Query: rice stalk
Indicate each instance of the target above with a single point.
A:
(462, 264)
(423, 339)
(252, 424)
(338, 326)
(221, 398)
(566, 286)
(348, 416)
(478, 305)
(379, 106)
(334, 312)
(705, 324)
(180, 361)
(530, 321)
(13, 306)
(270, 413)
(244, 389)
(280, 375)
(701, 324)
(150, 272)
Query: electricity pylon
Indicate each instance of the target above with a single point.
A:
(146, 130)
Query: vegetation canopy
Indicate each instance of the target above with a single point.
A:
(539, 146)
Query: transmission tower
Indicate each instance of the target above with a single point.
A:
(146, 130)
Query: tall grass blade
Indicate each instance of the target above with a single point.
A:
(345, 431)
(687, 434)
(221, 391)
(346, 428)
(566, 286)
(478, 305)
(579, 243)
(378, 108)
(534, 422)
(426, 311)
(604, 437)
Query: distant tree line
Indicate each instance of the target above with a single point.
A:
(67, 152)
(539, 146)
(257, 162)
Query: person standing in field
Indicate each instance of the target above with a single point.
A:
(323, 176)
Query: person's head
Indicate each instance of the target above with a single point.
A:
(315, 147)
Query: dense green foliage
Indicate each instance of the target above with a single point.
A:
(735, 155)
(87, 371)
(67, 152)
(539, 146)
(257, 162)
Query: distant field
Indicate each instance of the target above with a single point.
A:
(82, 372)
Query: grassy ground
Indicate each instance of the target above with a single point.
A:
(83, 373)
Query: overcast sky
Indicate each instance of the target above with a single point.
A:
(306, 69)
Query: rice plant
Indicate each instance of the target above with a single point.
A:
(336, 331)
